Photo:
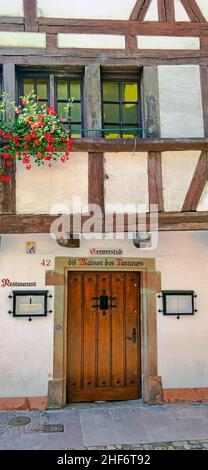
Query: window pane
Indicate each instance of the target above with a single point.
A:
(62, 89)
(111, 113)
(130, 113)
(75, 89)
(75, 112)
(28, 86)
(75, 130)
(129, 91)
(62, 111)
(110, 91)
(110, 134)
(42, 89)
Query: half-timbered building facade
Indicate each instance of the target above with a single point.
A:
(128, 316)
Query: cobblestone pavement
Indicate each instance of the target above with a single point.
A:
(118, 425)
(181, 445)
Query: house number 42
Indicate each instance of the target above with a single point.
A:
(46, 262)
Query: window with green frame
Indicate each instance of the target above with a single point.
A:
(121, 108)
(64, 88)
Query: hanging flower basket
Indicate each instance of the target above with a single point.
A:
(35, 136)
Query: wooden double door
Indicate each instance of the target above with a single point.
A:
(103, 336)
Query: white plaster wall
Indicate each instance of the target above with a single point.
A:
(42, 187)
(203, 203)
(202, 4)
(180, 12)
(16, 39)
(92, 41)
(180, 101)
(168, 43)
(177, 171)
(127, 180)
(96, 9)
(26, 347)
(152, 12)
(11, 8)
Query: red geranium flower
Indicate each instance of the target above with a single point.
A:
(7, 136)
(6, 155)
(51, 111)
(27, 138)
(50, 148)
(8, 163)
(5, 178)
(34, 135)
(49, 137)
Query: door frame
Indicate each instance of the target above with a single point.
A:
(150, 286)
(112, 392)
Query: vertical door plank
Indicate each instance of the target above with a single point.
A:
(131, 296)
(117, 331)
(104, 346)
(90, 330)
(74, 333)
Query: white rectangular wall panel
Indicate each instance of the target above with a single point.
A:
(85, 9)
(168, 43)
(20, 39)
(180, 101)
(11, 8)
(92, 41)
(127, 181)
(41, 188)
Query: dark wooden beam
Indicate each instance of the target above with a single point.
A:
(51, 42)
(151, 102)
(166, 10)
(15, 20)
(12, 27)
(155, 180)
(116, 57)
(8, 190)
(204, 89)
(30, 15)
(197, 184)
(96, 179)
(193, 11)
(92, 100)
(125, 27)
(131, 44)
(40, 58)
(161, 10)
(140, 9)
(138, 145)
(168, 221)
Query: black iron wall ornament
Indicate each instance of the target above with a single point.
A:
(30, 303)
(178, 302)
(105, 302)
